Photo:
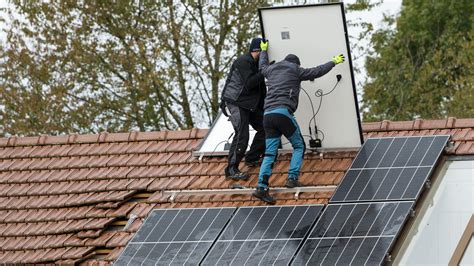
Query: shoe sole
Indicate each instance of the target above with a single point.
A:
(237, 179)
(293, 186)
(260, 198)
(251, 165)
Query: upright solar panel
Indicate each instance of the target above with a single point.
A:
(354, 234)
(175, 236)
(390, 169)
(263, 235)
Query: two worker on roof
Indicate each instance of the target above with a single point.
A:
(270, 114)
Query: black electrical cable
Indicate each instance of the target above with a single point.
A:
(322, 133)
(319, 93)
(314, 114)
(224, 141)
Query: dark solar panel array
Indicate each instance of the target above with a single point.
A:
(358, 226)
(175, 236)
(354, 234)
(390, 169)
(263, 235)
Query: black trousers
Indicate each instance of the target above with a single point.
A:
(241, 118)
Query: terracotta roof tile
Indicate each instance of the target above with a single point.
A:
(180, 134)
(159, 159)
(139, 159)
(119, 160)
(139, 184)
(119, 172)
(120, 148)
(161, 135)
(41, 151)
(464, 122)
(61, 150)
(21, 164)
(140, 147)
(5, 164)
(23, 152)
(114, 254)
(119, 239)
(116, 137)
(159, 183)
(119, 184)
(465, 148)
(198, 133)
(61, 139)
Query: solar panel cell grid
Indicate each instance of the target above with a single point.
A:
(390, 169)
(175, 236)
(355, 233)
(265, 235)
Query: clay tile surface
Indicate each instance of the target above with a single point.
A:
(60, 195)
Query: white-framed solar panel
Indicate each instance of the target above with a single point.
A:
(315, 33)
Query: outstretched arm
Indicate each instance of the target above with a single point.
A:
(321, 70)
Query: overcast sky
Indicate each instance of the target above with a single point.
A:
(375, 16)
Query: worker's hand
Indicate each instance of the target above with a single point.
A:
(223, 108)
(338, 59)
(264, 45)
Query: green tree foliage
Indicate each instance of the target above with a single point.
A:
(88, 66)
(423, 68)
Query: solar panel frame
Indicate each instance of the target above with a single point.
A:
(344, 232)
(362, 172)
(166, 250)
(257, 247)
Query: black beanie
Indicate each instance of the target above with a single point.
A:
(255, 45)
(293, 59)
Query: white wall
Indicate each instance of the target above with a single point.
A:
(436, 233)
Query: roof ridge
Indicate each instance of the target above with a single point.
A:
(418, 124)
(197, 133)
(103, 137)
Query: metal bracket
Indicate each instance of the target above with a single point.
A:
(130, 221)
(428, 184)
(412, 213)
(388, 258)
(297, 194)
(173, 196)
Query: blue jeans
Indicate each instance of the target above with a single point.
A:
(276, 123)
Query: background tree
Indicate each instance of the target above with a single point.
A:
(75, 66)
(424, 66)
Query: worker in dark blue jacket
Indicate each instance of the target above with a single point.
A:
(284, 82)
(243, 95)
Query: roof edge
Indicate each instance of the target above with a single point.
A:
(418, 124)
(103, 137)
(198, 133)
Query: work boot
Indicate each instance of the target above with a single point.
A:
(292, 183)
(236, 174)
(252, 163)
(262, 194)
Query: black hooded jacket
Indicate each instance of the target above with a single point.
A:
(245, 85)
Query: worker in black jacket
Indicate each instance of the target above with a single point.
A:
(243, 94)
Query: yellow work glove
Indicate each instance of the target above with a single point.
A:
(338, 59)
(264, 45)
